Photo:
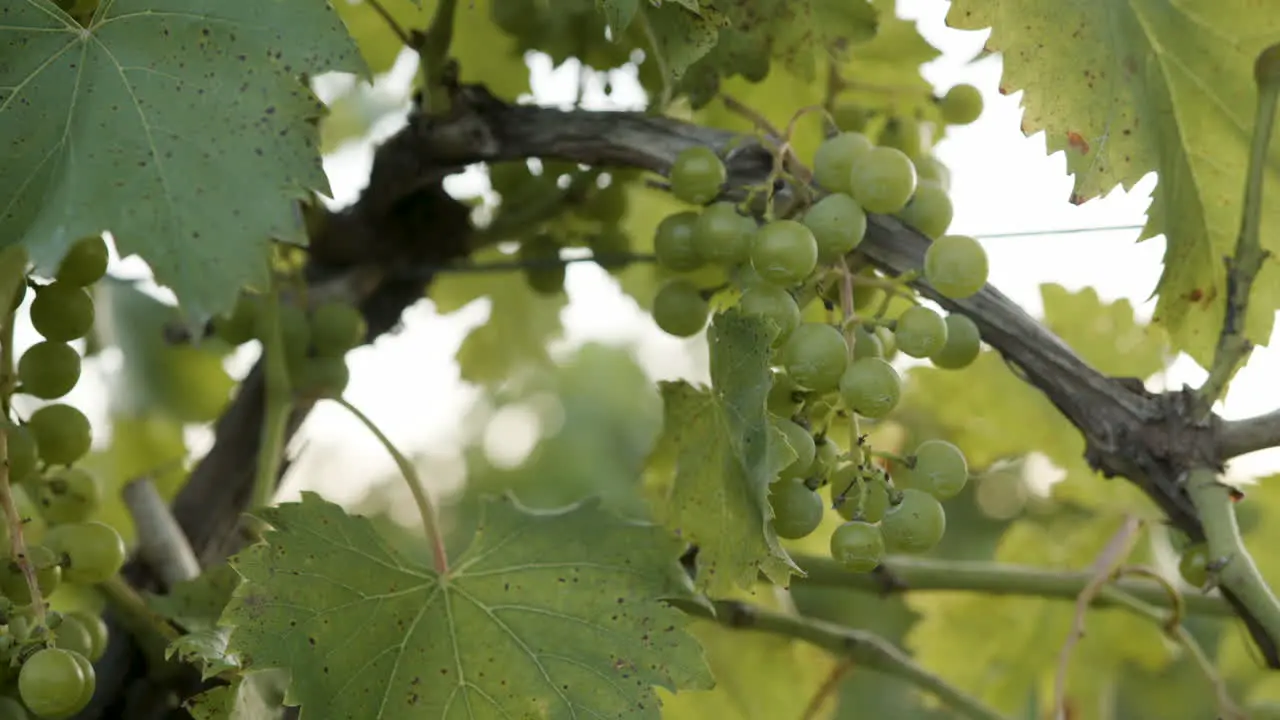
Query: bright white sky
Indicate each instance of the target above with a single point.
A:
(1002, 183)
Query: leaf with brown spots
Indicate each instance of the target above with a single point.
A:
(553, 615)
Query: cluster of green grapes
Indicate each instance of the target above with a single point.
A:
(315, 343)
(46, 668)
(783, 269)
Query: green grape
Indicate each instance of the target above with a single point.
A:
(93, 551)
(61, 432)
(69, 495)
(336, 327)
(940, 469)
(51, 683)
(846, 492)
(85, 263)
(321, 377)
(673, 244)
(784, 252)
(920, 332)
(888, 341)
(838, 225)
(23, 455)
(608, 205)
(929, 211)
(62, 312)
(236, 328)
(71, 634)
(815, 356)
(11, 709)
(797, 510)
(785, 397)
(802, 443)
(871, 387)
(931, 168)
(964, 342)
(825, 457)
(97, 629)
(722, 235)
(903, 134)
(883, 180)
(679, 308)
(774, 304)
(851, 118)
(49, 369)
(833, 160)
(956, 266)
(961, 105)
(543, 270)
(48, 575)
(697, 175)
(866, 344)
(1193, 566)
(608, 246)
(295, 330)
(916, 524)
(90, 677)
(858, 546)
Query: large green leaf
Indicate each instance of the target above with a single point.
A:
(182, 129)
(547, 614)
(1126, 87)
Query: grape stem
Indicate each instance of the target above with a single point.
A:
(753, 116)
(142, 622)
(430, 524)
(828, 688)
(433, 52)
(17, 544)
(278, 404)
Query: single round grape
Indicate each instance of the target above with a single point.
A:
(850, 117)
(940, 469)
(49, 369)
(888, 341)
(236, 328)
(90, 677)
(871, 387)
(722, 235)
(608, 205)
(69, 495)
(71, 634)
(784, 252)
(85, 263)
(920, 332)
(1193, 566)
(961, 105)
(673, 244)
(295, 330)
(97, 629)
(62, 311)
(902, 133)
(929, 211)
(815, 356)
(846, 493)
(931, 168)
(48, 575)
(866, 344)
(679, 308)
(964, 342)
(956, 266)
(774, 304)
(321, 377)
(609, 248)
(825, 457)
(838, 224)
(544, 273)
(785, 397)
(697, 175)
(858, 546)
(93, 551)
(802, 443)
(62, 433)
(11, 709)
(51, 683)
(914, 525)
(833, 160)
(797, 510)
(336, 327)
(882, 180)
(23, 455)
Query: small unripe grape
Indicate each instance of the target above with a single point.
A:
(295, 330)
(98, 632)
(888, 341)
(722, 235)
(13, 583)
(544, 273)
(236, 328)
(866, 344)
(336, 327)
(903, 133)
(871, 387)
(775, 305)
(85, 263)
(49, 369)
(93, 551)
(697, 175)
(929, 211)
(833, 160)
(858, 546)
(914, 525)
(673, 243)
(940, 469)
(69, 495)
(825, 457)
(784, 252)
(956, 266)
(72, 635)
(785, 397)
(90, 678)
(62, 312)
(850, 118)
(838, 224)
(679, 308)
(961, 105)
(815, 356)
(62, 433)
(882, 180)
(23, 455)
(321, 377)
(1193, 566)
(931, 168)
(797, 510)
(854, 506)
(802, 443)
(51, 683)
(964, 342)
(920, 332)
(608, 205)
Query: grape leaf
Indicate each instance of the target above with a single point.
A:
(241, 700)
(726, 452)
(1125, 88)
(205, 648)
(619, 13)
(184, 131)
(547, 614)
(682, 37)
(197, 604)
(797, 32)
